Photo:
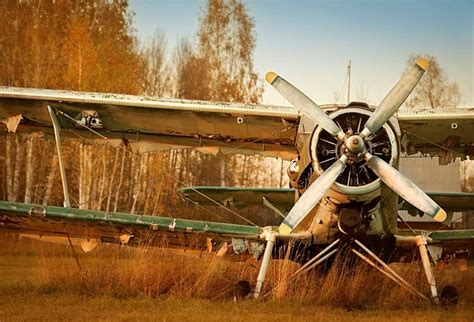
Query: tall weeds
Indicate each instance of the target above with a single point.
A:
(155, 272)
(185, 273)
(142, 271)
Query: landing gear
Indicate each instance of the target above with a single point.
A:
(422, 243)
(449, 294)
(318, 259)
(242, 289)
(382, 267)
(267, 256)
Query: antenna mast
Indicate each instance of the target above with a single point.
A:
(349, 82)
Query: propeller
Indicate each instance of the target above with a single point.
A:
(356, 148)
(395, 98)
(304, 104)
(404, 187)
(312, 196)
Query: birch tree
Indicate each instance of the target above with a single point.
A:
(434, 90)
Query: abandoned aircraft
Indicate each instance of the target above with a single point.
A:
(343, 173)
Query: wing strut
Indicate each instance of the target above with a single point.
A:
(57, 138)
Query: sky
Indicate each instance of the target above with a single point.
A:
(310, 43)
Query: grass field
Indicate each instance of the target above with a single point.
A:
(42, 282)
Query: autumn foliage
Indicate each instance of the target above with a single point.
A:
(92, 46)
(77, 45)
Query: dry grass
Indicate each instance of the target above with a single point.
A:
(126, 272)
(113, 275)
(347, 284)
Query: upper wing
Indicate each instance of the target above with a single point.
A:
(49, 221)
(153, 124)
(446, 133)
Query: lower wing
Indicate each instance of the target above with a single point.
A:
(51, 223)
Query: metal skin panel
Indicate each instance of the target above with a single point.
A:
(450, 201)
(284, 197)
(452, 241)
(109, 226)
(438, 131)
(452, 235)
(267, 130)
(240, 197)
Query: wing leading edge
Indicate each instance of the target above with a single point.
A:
(284, 198)
(116, 227)
(155, 124)
(446, 133)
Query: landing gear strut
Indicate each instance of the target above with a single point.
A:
(382, 267)
(370, 258)
(267, 256)
(422, 243)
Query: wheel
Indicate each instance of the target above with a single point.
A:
(242, 289)
(449, 296)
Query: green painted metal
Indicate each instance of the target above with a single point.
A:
(449, 201)
(138, 221)
(233, 189)
(282, 198)
(452, 235)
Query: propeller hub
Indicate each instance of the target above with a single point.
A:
(355, 144)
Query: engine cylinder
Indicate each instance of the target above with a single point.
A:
(357, 182)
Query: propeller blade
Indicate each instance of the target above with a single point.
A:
(312, 196)
(395, 98)
(304, 104)
(405, 188)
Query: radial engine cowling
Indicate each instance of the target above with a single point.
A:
(357, 182)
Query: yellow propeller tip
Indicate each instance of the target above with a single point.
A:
(440, 216)
(423, 63)
(284, 229)
(270, 77)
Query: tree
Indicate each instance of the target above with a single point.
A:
(80, 54)
(219, 68)
(31, 40)
(78, 45)
(120, 60)
(156, 80)
(222, 64)
(434, 89)
(227, 40)
(88, 45)
(193, 79)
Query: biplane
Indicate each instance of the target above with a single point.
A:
(345, 188)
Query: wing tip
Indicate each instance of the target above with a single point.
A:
(440, 215)
(270, 77)
(423, 63)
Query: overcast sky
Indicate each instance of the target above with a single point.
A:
(310, 42)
